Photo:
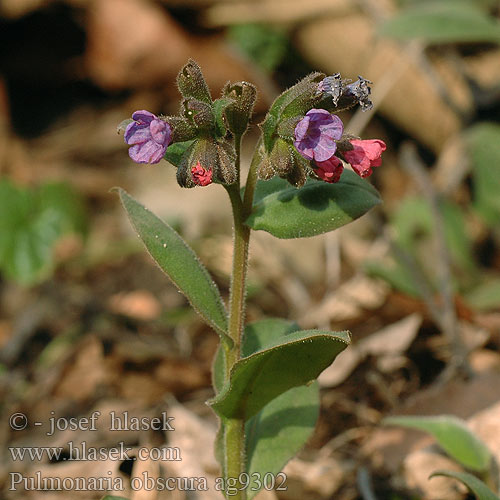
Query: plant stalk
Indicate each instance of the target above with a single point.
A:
(234, 429)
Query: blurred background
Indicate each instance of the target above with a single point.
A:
(88, 323)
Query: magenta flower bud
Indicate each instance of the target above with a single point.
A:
(329, 170)
(316, 133)
(148, 137)
(201, 176)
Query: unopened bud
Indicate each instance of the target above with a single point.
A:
(191, 83)
(199, 113)
(212, 156)
(243, 95)
(182, 129)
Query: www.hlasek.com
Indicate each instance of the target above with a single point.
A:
(83, 452)
(231, 486)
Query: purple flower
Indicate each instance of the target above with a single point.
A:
(316, 133)
(149, 137)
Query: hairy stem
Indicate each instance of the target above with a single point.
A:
(234, 429)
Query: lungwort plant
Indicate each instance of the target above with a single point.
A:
(264, 373)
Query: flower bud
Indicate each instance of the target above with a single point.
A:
(266, 170)
(199, 113)
(281, 158)
(207, 160)
(192, 84)
(182, 130)
(243, 95)
(286, 162)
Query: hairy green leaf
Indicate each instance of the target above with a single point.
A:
(280, 429)
(179, 262)
(289, 361)
(316, 208)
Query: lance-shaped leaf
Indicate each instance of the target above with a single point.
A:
(179, 262)
(290, 361)
(474, 484)
(316, 208)
(443, 22)
(453, 436)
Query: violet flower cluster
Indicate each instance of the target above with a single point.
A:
(304, 138)
(316, 137)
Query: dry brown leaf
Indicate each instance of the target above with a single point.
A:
(278, 11)
(195, 438)
(88, 370)
(420, 464)
(142, 470)
(347, 302)
(387, 345)
(139, 304)
(324, 475)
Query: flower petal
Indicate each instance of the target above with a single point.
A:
(143, 116)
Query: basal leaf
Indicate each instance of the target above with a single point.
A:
(316, 208)
(443, 22)
(474, 484)
(484, 144)
(289, 361)
(179, 262)
(453, 436)
(31, 222)
(485, 296)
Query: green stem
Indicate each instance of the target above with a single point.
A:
(234, 429)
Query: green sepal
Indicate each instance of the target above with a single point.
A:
(219, 107)
(176, 151)
(285, 101)
(192, 84)
(238, 114)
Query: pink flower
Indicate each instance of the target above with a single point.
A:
(148, 137)
(329, 170)
(365, 155)
(201, 176)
